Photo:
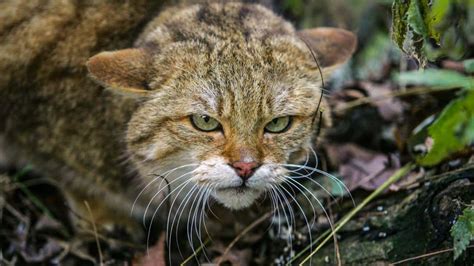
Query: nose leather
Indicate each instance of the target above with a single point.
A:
(245, 169)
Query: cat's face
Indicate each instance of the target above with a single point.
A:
(239, 117)
(229, 107)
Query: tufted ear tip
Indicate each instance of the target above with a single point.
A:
(332, 46)
(124, 71)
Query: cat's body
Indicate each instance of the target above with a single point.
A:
(236, 66)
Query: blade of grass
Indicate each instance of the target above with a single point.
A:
(328, 234)
(96, 235)
(195, 253)
(37, 202)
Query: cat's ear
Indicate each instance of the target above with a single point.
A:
(332, 46)
(123, 71)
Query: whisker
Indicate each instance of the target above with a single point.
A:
(272, 200)
(316, 163)
(179, 213)
(288, 221)
(154, 180)
(158, 193)
(319, 203)
(156, 210)
(293, 184)
(169, 232)
(339, 182)
(203, 216)
(193, 210)
(277, 208)
(198, 223)
(314, 182)
(303, 213)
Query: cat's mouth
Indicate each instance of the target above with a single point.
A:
(236, 197)
(238, 189)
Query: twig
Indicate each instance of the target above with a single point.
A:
(395, 177)
(71, 247)
(101, 261)
(112, 240)
(366, 100)
(427, 255)
(244, 232)
(195, 253)
(336, 244)
(16, 213)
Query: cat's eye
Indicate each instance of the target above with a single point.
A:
(205, 122)
(278, 125)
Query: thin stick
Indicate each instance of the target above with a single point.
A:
(244, 232)
(366, 100)
(195, 253)
(96, 235)
(336, 244)
(395, 177)
(428, 255)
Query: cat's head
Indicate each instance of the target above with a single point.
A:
(232, 90)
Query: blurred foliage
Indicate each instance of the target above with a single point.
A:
(469, 66)
(437, 79)
(434, 29)
(431, 31)
(463, 231)
(370, 19)
(451, 132)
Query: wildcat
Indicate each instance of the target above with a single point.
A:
(213, 101)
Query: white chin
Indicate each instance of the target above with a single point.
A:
(235, 198)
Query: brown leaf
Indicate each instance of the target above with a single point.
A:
(361, 167)
(236, 257)
(155, 255)
(391, 109)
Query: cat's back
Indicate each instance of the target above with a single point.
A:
(52, 114)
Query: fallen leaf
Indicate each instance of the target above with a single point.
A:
(360, 167)
(155, 255)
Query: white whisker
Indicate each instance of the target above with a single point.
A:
(303, 213)
(154, 180)
(156, 210)
(158, 193)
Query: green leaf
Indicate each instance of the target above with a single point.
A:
(436, 16)
(463, 231)
(415, 19)
(399, 22)
(451, 132)
(433, 29)
(469, 65)
(438, 79)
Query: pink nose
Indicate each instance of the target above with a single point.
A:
(244, 169)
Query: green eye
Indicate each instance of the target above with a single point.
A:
(278, 125)
(204, 122)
